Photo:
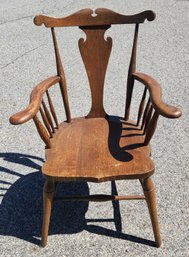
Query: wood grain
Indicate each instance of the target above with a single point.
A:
(97, 150)
(155, 91)
(98, 147)
(95, 52)
(62, 82)
(35, 101)
(149, 192)
(88, 17)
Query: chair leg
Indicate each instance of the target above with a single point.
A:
(48, 194)
(149, 192)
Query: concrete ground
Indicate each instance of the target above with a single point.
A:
(78, 229)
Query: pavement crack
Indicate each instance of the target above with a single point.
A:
(18, 19)
(17, 58)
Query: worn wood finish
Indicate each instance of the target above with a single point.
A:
(95, 52)
(35, 101)
(88, 157)
(98, 147)
(130, 79)
(149, 192)
(155, 92)
(86, 17)
(62, 82)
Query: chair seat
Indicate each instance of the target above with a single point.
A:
(98, 149)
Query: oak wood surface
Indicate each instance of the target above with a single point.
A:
(98, 150)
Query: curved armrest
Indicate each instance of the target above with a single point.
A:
(156, 95)
(35, 101)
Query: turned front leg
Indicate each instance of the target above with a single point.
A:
(48, 194)
(149, 192)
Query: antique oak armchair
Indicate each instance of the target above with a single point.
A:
(98, 147)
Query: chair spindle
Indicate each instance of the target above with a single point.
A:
(48, 116)
(151, 128)
(148, 118)
(52, 109)
(145, 114)
(60, 71)
(42, 132)
(141, 107)
(46, 122)
(132, 68)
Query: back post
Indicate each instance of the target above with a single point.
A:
(60, 71)
(132, 69)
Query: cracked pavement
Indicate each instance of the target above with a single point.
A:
(95, 229)
(13, 61)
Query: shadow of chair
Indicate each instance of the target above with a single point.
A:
(18, 219)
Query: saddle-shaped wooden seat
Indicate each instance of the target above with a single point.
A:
(99, 150)
(98, 147)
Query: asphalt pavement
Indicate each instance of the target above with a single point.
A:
(94, 229)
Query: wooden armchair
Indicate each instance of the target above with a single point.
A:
(98, 147)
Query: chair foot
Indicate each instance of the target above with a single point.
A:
(48, 194)
(149, 192)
